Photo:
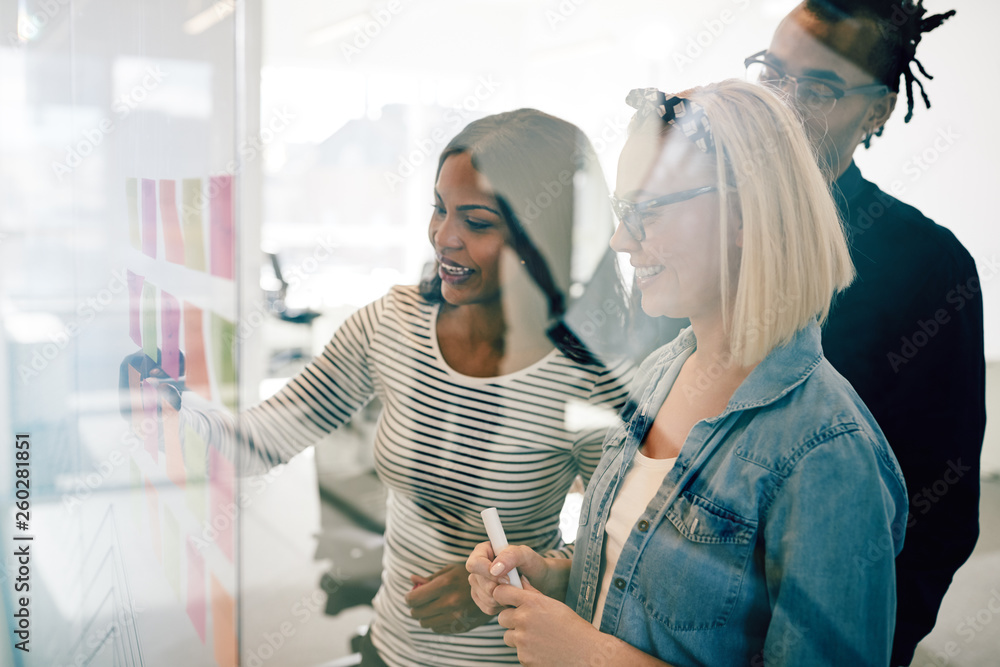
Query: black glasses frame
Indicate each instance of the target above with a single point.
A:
(629, 212)
(838, 92)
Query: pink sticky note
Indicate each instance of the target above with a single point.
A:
(222, 508)
(172, 443)
(221, 239)
(195, 366)
(134, 299)
(170, 330)
(149, 217)
(196, 588)
(173, 242)
(150, 426)
(154, 520)
(223, 625)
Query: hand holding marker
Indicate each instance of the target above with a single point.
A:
(498, 540)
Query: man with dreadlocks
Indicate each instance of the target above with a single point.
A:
(908, 334)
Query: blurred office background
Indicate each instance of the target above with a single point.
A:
(328, 118)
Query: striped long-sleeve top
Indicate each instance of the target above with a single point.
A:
(446, 446)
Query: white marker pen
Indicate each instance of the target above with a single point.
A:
(498, 540)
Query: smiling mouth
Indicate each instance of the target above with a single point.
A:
(644, 272)
(453, 270)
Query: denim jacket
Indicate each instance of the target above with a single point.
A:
(772, 539)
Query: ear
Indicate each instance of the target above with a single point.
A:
(738, 232)
(879, 111)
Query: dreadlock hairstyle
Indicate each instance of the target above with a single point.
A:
(901, 25)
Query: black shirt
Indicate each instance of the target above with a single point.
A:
(908, 334)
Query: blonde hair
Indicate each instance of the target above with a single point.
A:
(795, 256)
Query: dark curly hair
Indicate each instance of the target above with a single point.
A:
(901, 24)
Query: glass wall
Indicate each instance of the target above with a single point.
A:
(119, 227)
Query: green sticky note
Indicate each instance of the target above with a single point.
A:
(149, 320)
(195, 461)
(132, 204)
(192, 202)
(172, 550)
(224, 358)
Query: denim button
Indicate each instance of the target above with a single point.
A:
(620, 584)
(643, 526)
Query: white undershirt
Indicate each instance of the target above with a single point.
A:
(640, 485)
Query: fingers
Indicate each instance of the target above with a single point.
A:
(512, 596)
(480, 559)
(482, 594)
(524, 558)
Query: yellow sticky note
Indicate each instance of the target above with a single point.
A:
(224, 356)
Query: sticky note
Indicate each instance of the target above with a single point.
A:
(172, 443)
(154, 520)
(135, 282)
(135, 398)
(224, 358)
(148, 306)
(223, 625)
(195, 458)
(220, 189)
(192, 202)
(173, 241)
(223, 511)
(172, 551)
(196, 588)
(149, 217)
(195, 367)
(132, 206)
(170, 335)
(135, 495)
(150, 427)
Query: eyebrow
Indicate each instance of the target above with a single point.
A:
(469, 207)
(827, 74)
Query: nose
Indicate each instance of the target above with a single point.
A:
(622, 241)
(444, 233)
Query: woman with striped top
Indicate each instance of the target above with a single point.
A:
(475, 396)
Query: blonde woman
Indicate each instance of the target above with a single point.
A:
(747, 509)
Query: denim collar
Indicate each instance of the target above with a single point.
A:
(783, 369)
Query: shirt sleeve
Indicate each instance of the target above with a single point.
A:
(326, 394)
(830, 540)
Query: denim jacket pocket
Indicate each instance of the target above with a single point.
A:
(693, 566)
